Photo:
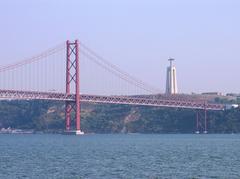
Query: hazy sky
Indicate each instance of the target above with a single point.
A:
(136, 35)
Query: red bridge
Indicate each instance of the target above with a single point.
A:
(31, 79)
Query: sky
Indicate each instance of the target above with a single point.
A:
(136, 35)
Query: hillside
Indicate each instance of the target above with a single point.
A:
(96, 118)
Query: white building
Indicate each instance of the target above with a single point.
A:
(171, 83)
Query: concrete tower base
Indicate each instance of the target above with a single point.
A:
(79, 132)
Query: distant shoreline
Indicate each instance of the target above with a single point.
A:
(23, 131)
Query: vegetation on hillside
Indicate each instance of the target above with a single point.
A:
(96, 118)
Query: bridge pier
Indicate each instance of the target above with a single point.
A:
(201, 121)
(68, 115)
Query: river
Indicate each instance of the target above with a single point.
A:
(129, 156)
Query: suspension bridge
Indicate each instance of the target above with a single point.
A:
(74, 73)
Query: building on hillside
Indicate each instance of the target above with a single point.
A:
(213, 93)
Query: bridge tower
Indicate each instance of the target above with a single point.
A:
(73, 83)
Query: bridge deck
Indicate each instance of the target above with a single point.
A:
(32, 95)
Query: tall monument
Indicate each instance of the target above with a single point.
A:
(171, 83)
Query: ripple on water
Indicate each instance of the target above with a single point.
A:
(119, 156)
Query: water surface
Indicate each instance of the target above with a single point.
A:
(130, 156)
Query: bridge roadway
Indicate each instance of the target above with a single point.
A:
(130, 100)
